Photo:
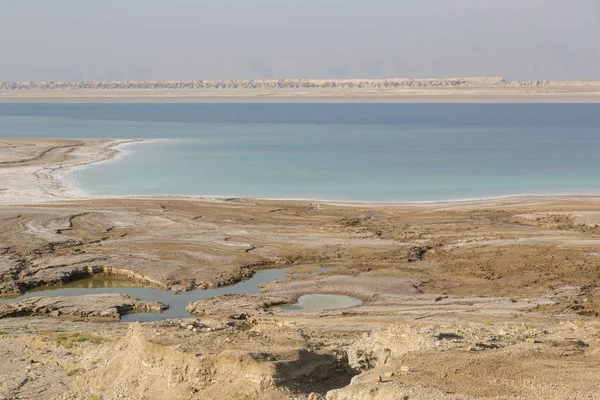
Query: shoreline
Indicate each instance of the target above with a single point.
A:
(55, 182)
(46, 179)
(61, 174)
(120, 152)
(483, 201)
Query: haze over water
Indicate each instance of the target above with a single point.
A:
(363, 152)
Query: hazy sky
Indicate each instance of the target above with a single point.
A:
(227, 39)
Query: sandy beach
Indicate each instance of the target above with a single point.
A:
(491, 299)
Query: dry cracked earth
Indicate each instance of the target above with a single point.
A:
(496, 299)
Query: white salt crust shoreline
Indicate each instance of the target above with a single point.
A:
(41, 183)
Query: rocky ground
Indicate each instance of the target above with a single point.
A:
(475, 300)
(104, 306)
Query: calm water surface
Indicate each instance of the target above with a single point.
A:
(176, 302)
(365, 152)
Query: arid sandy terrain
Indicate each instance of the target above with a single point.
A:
(495, 299)
(467, 90)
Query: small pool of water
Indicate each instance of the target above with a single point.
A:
(311, 302)
(176, 302)
(95, 282)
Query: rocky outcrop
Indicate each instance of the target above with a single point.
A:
(235, 304)
(98, 306)
(263, 361)
(19, 274)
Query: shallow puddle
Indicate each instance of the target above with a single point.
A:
(311, 302)
(176, 302)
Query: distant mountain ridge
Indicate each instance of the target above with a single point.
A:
(392, 83)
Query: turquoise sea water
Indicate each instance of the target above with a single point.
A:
(363, 152)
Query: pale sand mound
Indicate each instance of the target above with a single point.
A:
(266, 362)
